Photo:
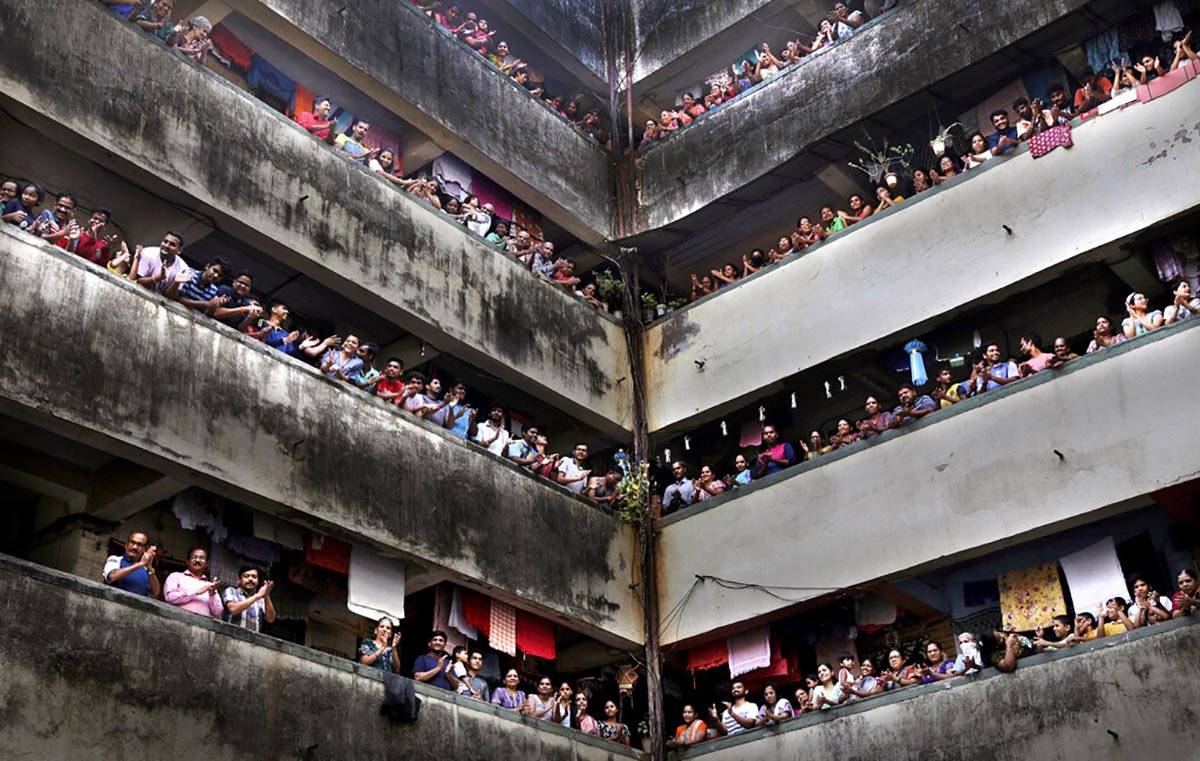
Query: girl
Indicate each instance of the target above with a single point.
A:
(612, 728)
(828, 693)
(22, 210)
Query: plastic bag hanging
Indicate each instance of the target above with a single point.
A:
(916, 362)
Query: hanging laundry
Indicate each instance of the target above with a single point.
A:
(1043, 142)
(328, 553)
(502, 629)
(749, 650)
(443, 597)
(456, 177)
(477, 611)
(228, 46)
(535, 636)
(708, 656)
(263, 75)
(254, 549)
(376, 585)
(1102, 50)
(303, 101)
(1030, 597)
(458, 620)
(223, 564)
(1094, 576)
(196, 508)
(1167, 19)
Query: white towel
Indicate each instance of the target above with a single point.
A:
(749, 650)
(442, 604)
(376, 585)
(1093, 576)
(457, 620)
(1167, 19)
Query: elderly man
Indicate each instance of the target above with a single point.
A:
(191, 589)
(134, 571)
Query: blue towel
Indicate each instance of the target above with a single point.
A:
(263, 74)
(1102, 50)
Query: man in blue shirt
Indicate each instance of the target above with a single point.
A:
(134, 571)
(1004, 139)
(461, 415)
(431, 668)
(912, 407)
(203, 291)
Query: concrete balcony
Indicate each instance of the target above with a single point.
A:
(389, 50)
(139, 678)
(570, 31)
(115, 367)
(1059, 449)
(1099, 700)
(187, 135)
(1061, 210)
(763, 130)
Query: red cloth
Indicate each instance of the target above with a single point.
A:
(231, 47)
(303, 100)
(535, 636)
(328, 553)
(95, 251)
(708, 656)
(477, 609)
(1160, 86)
(1055, 137)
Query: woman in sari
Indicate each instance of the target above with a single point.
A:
(693, 730)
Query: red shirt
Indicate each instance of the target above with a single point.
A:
(92, 249)
(389, 386)
(307, 120)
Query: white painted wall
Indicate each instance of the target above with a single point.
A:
(964, 480)
(1128, 171)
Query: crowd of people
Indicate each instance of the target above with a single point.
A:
(989, 370)
(759, 66)
(1010, 130)
(192, 38)
(227, 296)
(474, 31)
(852, 681)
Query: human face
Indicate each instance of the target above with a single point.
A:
(785, 245)
(8, 191)
(1059, 97)
(769, 694)
(1024, 110)
(843, 428)
(383, 630)
(933, 653)
(502, 49)
(248, 581)
(435, 387)
(906, 396)
(946, 165)
(883, 194)
(350, 345)
(688, 101)
(197, 562)
(1103, 326)
(856, 202)
(740, 463)
(1141, 588)
(170, 246)
(241, 286)
(992, 354)
(475, 662)
(581, 702)
(895, 660)
(769, 434)
(581, 452)
(729, 271)
(706, 283)
(1061, 349)
(1184, 290)
(136, 546)
(1060, 629)
(738, 690)
(867, 668)
(978, 144)
(840, 10)
(393, 369)
(64, 208)
(678, 471)
(827, 214)
(496, 415)
(706, 473)
(531, 435)
(1187, 584)
(610, 710)
(322, 110)
(1140, 301)
(1000, 121)
(437, 644)
(1082, 624)
(565, 691)
(814, 439)
(824, 674)
(213, 273)
(943, 377)
(805, 225)
(29, 195)
(545, 687)
(366, 355)
(280, 312)
(511, 679)
(163, 8)
(872, 406)
(689, 714)
(547, 250)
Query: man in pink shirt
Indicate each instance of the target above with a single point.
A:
(191, 589)
(1036, 360)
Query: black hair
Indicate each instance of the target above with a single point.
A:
(219, 261)
(385, 618)
(414, 375)
(496, 406)
(908, 386)
(244, 273)
(1065, 620)
(1032, 338)
(41, 193)
(370, 346)
(1089, 616)
(437, 633)
(1056, 87)
(245, 568)
(107, 212)
(200, 547)
(397, 360)
(457, 649)
(530, 426)
(998, 112)
(1020, 102)
(322, 99)
(175, 234)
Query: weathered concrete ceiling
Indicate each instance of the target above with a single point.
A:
(163, 386)
(267, 182)
(388, 50)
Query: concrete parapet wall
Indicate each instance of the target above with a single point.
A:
(759, 132)
(1126, 697)
(918, 263)
(93, 672)
(1059, 449)
(267, 181)
(107, 363)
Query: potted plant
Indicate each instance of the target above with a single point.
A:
(607, 285)
(649, 304)
(677, 302)
(880, 162)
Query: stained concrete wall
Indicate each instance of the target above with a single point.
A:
(92, 672)
(1054, 450)
(668, 30)
(944, 249)
(1126, 697)
(767, 128)
(186, 132)
(389, 51)
(575, 27)
(106, 363)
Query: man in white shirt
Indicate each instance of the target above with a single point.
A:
(161, 268)
(491, 433)
(571, 472)
(738, 716)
